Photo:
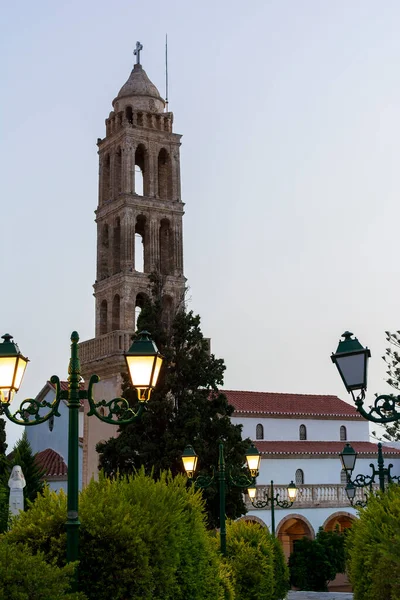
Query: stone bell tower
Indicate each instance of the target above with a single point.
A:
(139, 231)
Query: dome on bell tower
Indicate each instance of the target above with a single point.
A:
(139, 93)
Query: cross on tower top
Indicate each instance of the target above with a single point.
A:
(137, 51)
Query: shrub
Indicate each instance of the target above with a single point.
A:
(313, 563)
(4, 508)
(257, 562)
(373, 546)
(139, 539)
(24, 576)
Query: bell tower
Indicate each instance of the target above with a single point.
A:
(139, 231)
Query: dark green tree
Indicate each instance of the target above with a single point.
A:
(186, 408)
(392, 360)
(4, 466)
(313, 563)
(22, 455)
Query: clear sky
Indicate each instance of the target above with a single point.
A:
(290, 119)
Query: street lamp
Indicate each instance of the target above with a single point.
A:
(189, 459)
(271, 499)
(144, 363)
(351, 360)
(348, 459)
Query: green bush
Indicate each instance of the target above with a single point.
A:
(4, 508)
(25, 576)
(373, 547)
(139, 539)
(313, 563)
(257, 562)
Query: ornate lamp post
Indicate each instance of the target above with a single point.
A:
(351, 360)
(189, 458)
(144, 364)
(348, 458)
(271, 499)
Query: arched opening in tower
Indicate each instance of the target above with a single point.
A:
(141, 171)
(103, 317)
(166, 248)
(106, 178)
(140, 237)
(129, 114)
(103, 251)
(118, 171)
(117, 246)
(141, 300)
(164, 175)
(115, 324)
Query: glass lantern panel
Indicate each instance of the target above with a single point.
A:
(7, 368)
(140, 369)
(352, 368)
(156, 373)
(189, 462)
(20, 373)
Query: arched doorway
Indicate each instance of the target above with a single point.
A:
(342, 520)
(292, 528)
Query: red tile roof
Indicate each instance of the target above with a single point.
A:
(64, 387)
(334, 448)
(52, 463)
(271, 403)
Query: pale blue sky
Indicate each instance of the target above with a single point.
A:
(290, 119)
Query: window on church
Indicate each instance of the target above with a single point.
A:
(140, 238)
(141, 299)
(259, 432)
(116, 313)
(343, 477)
(129, 114)
(118, 171)
(103, 317)
(141, 172)
(302, 432)
(343, 433)
(166, 248)
(104, 249)
(164, 175)
(299, 477)
(117, 246)
(106, 178)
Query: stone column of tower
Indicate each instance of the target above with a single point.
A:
(139, 230)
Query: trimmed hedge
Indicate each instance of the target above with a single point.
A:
(257, 562)
(140, 539)
(373, 547)
(25, 576)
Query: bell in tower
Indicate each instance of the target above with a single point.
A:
(139, 231)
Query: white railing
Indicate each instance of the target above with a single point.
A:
(311, 496)
(116, 342)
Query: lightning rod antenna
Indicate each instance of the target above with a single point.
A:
(166, 73)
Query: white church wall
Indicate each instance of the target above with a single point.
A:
(317, 429)
(315, 516)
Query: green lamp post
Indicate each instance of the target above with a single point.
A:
(348, 458)
(271, 500)
(144, 364)
(351, 360)
(189, 459)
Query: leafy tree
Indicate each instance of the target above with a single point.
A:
(139, 539)
(373, 547)
(313, 563)
(257, 562)
(22, 455)
(24, 576)
(4, 466)
(186, 408)
(392, 360)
